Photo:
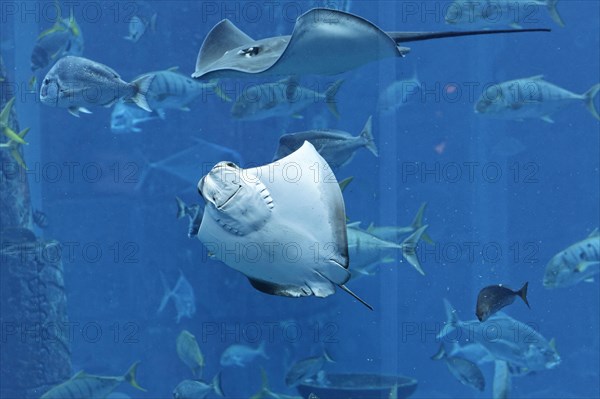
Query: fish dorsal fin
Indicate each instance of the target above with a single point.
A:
(536, 77)
(594, 233)
(353, 225)
(173, 69)
(79, 374)
(552, 345)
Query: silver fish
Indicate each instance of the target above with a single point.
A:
(189, 353)
(337, 147)
(76, 82)
(241, 355)
(306, 368)
(530, 98)
(64, 38)
(579, 262)
(182, 295)
(125, 118)
(197, 389)
(281, 99)
(465, 371)
(399, 94)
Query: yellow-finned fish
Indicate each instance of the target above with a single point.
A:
(189, 353)
(83, 385)
(15, 139)
(266, 393)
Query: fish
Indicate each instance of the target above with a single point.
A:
(494, 297)
(125, 118)
(15, 139)
(39, 218)
(323, 42)
(367, 250)
(198, 389)
(143, 18)
(193, 212)
(395, 233)
(77, 82)
(289, 228)
(92, 386)
(514, 342)
(471, 351)
(398, 94)
(189, 352)
(305, 369)
(502, 380)
(266, 393)
(182, 295)
(63, 38)
(241, 355)
(465, 371)
(493, 12)
(172, 90)
(529, 98)
(284, 98)
(335, 146)
(579, 262)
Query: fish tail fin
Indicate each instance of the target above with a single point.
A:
(261, 350)
(330, 99)
(367, 135)
(166, 296)
(130, 377)
(523, 294)
(216, 384)
(181, 207)
(417, 223)
(551, 5)
(264, 380)
(142, 84)
(6, 111)
(409, 247)
(327, 357)
(153, 23)
(441, 353)
(589, 100)
(343, 287)
(344, 183)
(452, 320)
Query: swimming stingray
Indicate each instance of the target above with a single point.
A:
(283, 225)
(323, 42)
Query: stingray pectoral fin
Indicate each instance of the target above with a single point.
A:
(281, 290)
(405, 37)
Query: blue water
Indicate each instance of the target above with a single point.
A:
(516, 211)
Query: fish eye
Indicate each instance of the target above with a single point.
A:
(46, 81)
(230, 164)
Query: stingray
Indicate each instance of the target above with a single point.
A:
(323, 42)
(282, 225)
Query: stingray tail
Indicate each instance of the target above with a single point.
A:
(409, 248)
(142, 84)
(405, 37)
(589, 100)
(367, 136)
(343, 287)
(551, 5)
(330, 99)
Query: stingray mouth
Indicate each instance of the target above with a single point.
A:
(228, 200)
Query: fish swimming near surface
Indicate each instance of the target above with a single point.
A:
(77, 82)
(305, 369)
(266, 393)
(92, 386)
(531, 98)
(517, 343)
(144, 18)
(189, 352)
(281, 99)
(494, 297)
(182, 295)
(241, 355)
(579, 262)
(336, 146)
(395, 233)
(265, 209)
(63, 38)
(398, 94)
(198, 389)
(323, 42)
(126, 117)
(465, 371)
(486, 13)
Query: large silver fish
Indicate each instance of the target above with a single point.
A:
(531, 98)
(77, 82)
(465, 371)
(579, 262)
(189, 352)
(198, 389)
(306, 368)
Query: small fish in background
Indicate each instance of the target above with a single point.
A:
(77, 82)
(94, 385)
(305, 369)
(284, 98)
(126, 117)
(494, 297)
(64, 38)
(529, 98)
(182, 295)
(189, 352)
(399, 94)
(266, 393)
(144, 18)
(241, 355)
(39, 218)
(502, 380)
(493, 13)
(193, 212)
(15, 139)
(465, 371)
(198, 389)
(579, 262)
(395, 233)
(336, 146)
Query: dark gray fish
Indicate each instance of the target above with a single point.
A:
(494, 297)
(306, 368)
(337, 147)
(198, 389)
(465, 371)
(40, 218)
(77, 82)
